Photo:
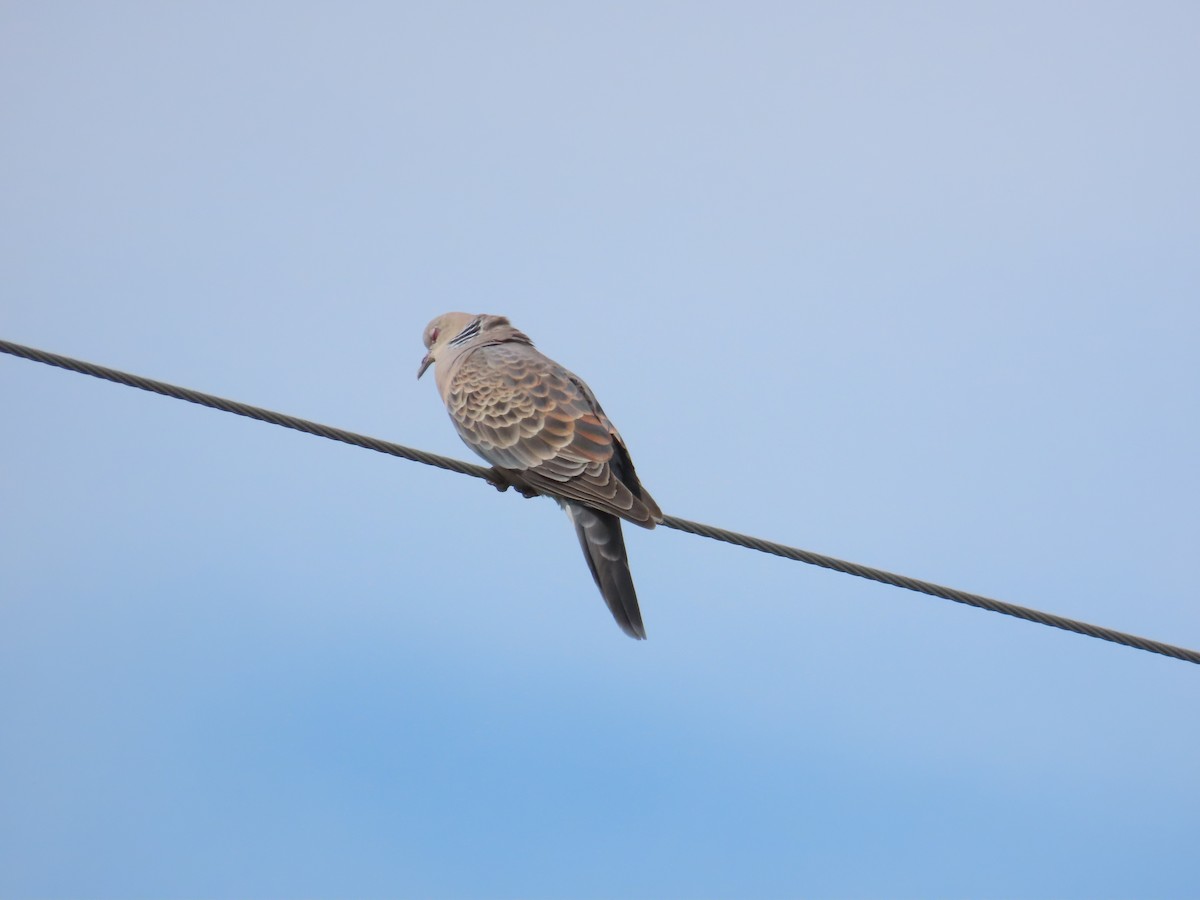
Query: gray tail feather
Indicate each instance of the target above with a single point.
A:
(604, 549)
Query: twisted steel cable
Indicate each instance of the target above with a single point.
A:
(934, 590)
(244, 409)
(685, 525)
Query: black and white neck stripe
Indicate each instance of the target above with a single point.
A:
(467, 333)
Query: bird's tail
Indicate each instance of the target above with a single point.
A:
(604, 549)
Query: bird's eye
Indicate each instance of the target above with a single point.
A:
(433, 334)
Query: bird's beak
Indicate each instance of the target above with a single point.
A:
(425, 364)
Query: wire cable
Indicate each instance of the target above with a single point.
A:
(244, 409)
(685, 525)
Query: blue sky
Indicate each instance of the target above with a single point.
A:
(910, 284)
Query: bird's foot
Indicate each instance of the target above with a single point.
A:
(502, 481)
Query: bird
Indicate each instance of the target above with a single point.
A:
(542, 430)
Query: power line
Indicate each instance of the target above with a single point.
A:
(697, 528)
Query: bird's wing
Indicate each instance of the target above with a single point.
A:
(528, 415)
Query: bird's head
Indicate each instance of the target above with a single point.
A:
(441, 331)
(455, 331)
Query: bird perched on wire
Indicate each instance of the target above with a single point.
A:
(543, 432)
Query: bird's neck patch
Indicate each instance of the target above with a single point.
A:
(467, 333)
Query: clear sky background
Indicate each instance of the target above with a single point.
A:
(911, 284)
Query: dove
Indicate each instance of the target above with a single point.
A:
(540, 427)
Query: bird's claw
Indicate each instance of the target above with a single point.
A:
(497, 480)
(502, 482)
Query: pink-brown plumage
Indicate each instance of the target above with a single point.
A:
(541, 426)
